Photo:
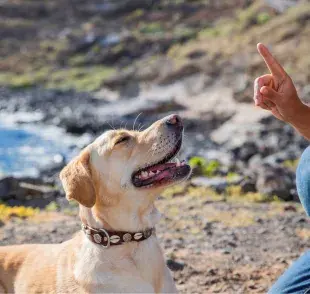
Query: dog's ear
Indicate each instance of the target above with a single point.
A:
(77, 180)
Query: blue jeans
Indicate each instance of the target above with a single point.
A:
(296, 279)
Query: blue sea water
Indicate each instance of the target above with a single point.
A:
(23, 152)
(29, 147)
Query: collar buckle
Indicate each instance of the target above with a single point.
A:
(106, 238)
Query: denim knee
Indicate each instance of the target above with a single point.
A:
(303, 180)
(296, 279)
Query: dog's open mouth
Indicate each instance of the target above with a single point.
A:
(166, 171)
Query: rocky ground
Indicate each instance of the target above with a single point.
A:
(212, 244)
(86, 67)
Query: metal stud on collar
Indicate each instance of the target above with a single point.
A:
(97, 238)
(107, 238)
(127, 237)
(147, 234)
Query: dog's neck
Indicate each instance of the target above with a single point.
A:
(121, 217)
(117, 218)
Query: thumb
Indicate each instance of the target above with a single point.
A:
(270, 94)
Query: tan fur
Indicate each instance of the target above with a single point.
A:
(76, 180)
(100, 180)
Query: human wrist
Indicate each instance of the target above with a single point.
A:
(301, 121)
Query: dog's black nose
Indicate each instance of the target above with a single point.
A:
(174, 120)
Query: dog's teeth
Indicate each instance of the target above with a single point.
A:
(151, 174)
(157, 172)
(177, 161)
(144, 174)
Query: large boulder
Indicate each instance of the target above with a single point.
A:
(276, 181)
(8, 186)
(26, 192)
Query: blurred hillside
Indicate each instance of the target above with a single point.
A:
(71, 69)
(86, 66)
(115, 45)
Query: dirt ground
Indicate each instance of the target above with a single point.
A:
(213, 245)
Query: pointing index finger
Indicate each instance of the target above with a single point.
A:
(274, 66)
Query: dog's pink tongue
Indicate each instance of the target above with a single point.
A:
(162, 167)
(163, 175)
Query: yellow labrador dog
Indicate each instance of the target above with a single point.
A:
(115, 180)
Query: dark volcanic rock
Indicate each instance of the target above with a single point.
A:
(115, 8)
(276, 181)
(246, 151)
(80, 113)
(175, 265)
(248, 185)
(27, 192)
(8, 186)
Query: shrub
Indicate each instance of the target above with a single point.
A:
(262, 18)
(204, 167)
(7, 212)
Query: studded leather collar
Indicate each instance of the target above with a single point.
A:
(110, 238)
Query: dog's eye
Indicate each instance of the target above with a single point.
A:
(123, 139)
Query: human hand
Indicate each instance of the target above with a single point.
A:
(276, 92)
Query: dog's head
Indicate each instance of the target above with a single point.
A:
(122, 164)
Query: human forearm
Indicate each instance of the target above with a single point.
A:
(301, 121)
(276, 92)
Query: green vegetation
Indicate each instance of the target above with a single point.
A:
(248, 17)
(291, 164)
(70, 210)
(77, 78)
(195, 199)
(52, 206)
(223, 27)
(231, 176)
(30, 79)
(54, 63)
(80, 79)
(77, 60)
(262, 18)
(232, 193)
(229, 36)
(151, 28)
(204, 167)
(134, 15)
(174, 191)
(198, 192)
(44, 71)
